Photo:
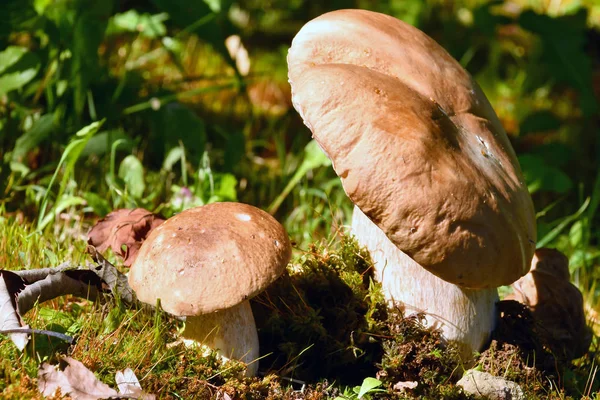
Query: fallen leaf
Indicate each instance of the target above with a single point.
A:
(10, 286)
(127, 382)
(223, 396)
(72, 378)
(20, 291)
(238, 53)
(129, 385)
(404, 385)
(556, 304)
(114, 279)
(124, 231)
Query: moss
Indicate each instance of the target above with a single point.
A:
(415, 353)
(323, 326)
(318, 320)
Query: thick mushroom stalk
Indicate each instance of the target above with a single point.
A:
(230, 332)
(463, 315)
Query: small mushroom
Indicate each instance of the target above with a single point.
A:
(206, 263)
(440, 200)
(556, 304)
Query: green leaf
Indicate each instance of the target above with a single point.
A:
(113, 320)
(173, 125)
(214, 5)
(235, 150)
(576, 234)
(16, 80)
(51, 257)
(131, 171)
(540, 121)
(68, 160)
(64, 203)
(147, 25)
(553, 234)
(10, 56)
(199, 18)
(17, 68)
(55, 317)
(175, 155)
(40, 130)
(99, 205)
(41, 5)
(16, 15)
(314, 157)
(541, 176)
(102, 142)
(88, 33)
(564, 55)
(368, 385)
(225, 188)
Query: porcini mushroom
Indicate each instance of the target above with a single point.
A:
(206, 263)
(556, 304)
(439, 197)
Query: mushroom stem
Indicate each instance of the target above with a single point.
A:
(464, 316)
(231, 332)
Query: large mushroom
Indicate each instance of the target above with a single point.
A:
(440, 201)
(206, 263)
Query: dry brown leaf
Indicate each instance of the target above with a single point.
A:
(129, 385)
(22, 290)
(72, 378)
(10, 286)
(556, 304)
(405, 385)
(124, 231)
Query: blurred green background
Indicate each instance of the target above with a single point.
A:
(186, 121)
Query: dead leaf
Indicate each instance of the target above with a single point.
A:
(238, 53)
(129, 385)
(221, 395)
(556, 304)
(72, 378)
(124, 231)
(113, 278)
(404, 385)
(10, 286)
(20, 291)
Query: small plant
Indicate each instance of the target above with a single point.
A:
(365, 391)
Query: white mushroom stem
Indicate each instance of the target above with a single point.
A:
(466, 317)
(231, 332)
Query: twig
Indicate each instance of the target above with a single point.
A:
(62, 336)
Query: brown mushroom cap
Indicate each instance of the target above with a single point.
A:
(418, 147)
(210, 258)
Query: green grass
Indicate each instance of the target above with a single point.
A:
(326, 308)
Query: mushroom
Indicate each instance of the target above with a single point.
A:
(206, 263)
(556, 304)
(440, 201)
